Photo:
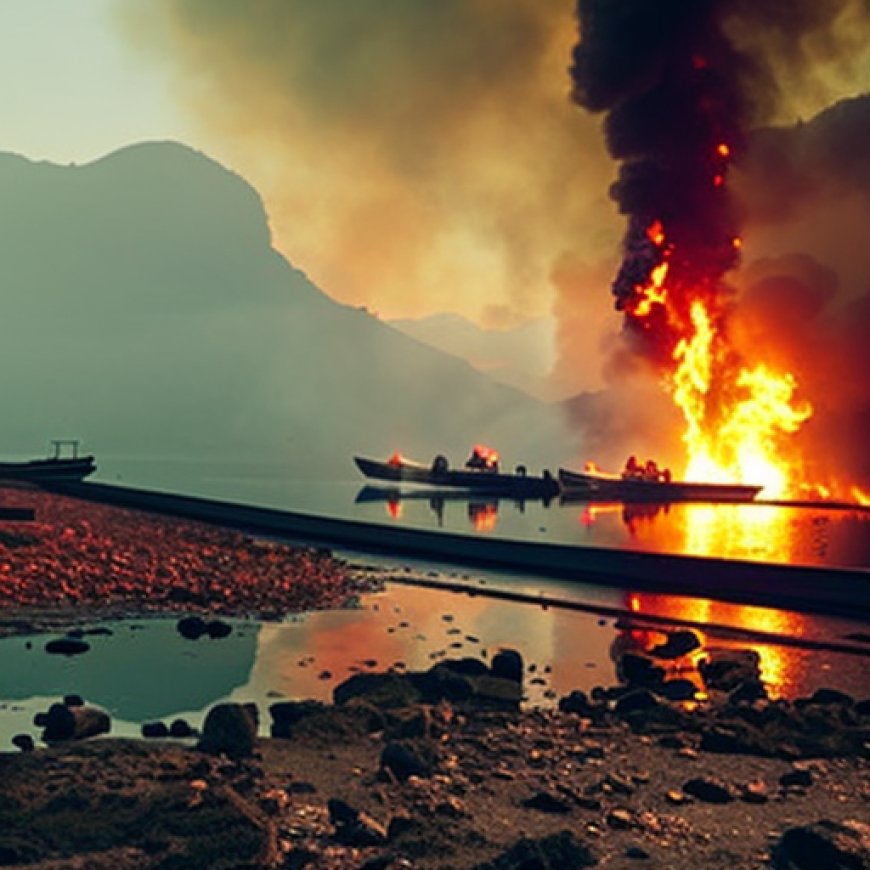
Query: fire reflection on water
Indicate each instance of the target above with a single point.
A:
(782, 668)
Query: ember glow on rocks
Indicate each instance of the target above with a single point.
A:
(681, 99)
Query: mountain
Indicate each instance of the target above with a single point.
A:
(145, 311)
(521, 357)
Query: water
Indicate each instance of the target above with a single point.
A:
(758, 532)
(145, 671)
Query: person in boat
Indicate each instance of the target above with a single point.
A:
(479, 461)
(632, 468)
(651, 471)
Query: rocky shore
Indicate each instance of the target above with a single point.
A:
(443, 769)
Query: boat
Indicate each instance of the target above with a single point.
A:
(594, 485)
(488, 479)
(56, 468)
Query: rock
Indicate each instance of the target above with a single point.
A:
(24, 742)
(404, 760)
(619, 784)
(824, 845)
(383, 690)
(639, 699)
(832, 696)
(191, 627)
(469, 667)
(229, 729)
(442, 684)
(181, 728)
(562, 851)
(709, 790)
(636, 853)
(154, 729)
(620, 818)
(862, 708)
(73, 700)
(285, 714)
(545, 802)
(354, 828)
(726, 669)
(639, 670)
(400, 824)
(576, 702)
(678, 643)
(67, 646)
(754, 792)
(508, 665)
(217, 629)
(798, 776)
(496, 694)
(751, 690)
(74, 723)
(677, 690)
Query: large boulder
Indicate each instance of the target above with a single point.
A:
(824, 845)
(229, 729)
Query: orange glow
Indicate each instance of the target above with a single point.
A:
(484, 517)
(780, 666)
(735, 415)
(396, 459)
(656, 233)
(489, 455)
(723, 150)
(737, 243)
(653, 292)
(860, 496)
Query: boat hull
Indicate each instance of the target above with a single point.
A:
(515, 485)
(48, 470)
(578, 485)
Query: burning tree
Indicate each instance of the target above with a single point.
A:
(681, 99)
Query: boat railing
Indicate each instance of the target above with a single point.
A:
(60, 443)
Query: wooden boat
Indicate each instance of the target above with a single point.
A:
(56, 468)
(598, 486)
(516, 485)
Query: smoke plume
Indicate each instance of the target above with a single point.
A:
(414, 156)
(685, 85)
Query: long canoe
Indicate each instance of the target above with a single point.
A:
(479, 480)
(587, 485)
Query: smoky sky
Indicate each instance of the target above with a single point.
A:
(414, 156)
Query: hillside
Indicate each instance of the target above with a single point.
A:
(146, 312)
(521, 357)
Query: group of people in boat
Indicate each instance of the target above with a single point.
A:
(650, 471)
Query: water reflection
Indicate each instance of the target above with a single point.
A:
(402, 627)
(783, 668)
(482, 509)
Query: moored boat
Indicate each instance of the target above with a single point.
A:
(485, 478)
(56, 468)
(598, 486)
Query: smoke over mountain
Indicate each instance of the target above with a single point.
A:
(685, 86)
(414, 156)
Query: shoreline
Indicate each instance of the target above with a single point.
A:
(440, 769)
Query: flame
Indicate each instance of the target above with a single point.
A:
(484, 517)
(396, 459)
(489, 455)
(723, 150)
(735, 415)
(860, 496)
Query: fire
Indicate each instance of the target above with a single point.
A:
(489, 456)
(860, 496)
(735, 415)
(484, 517)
